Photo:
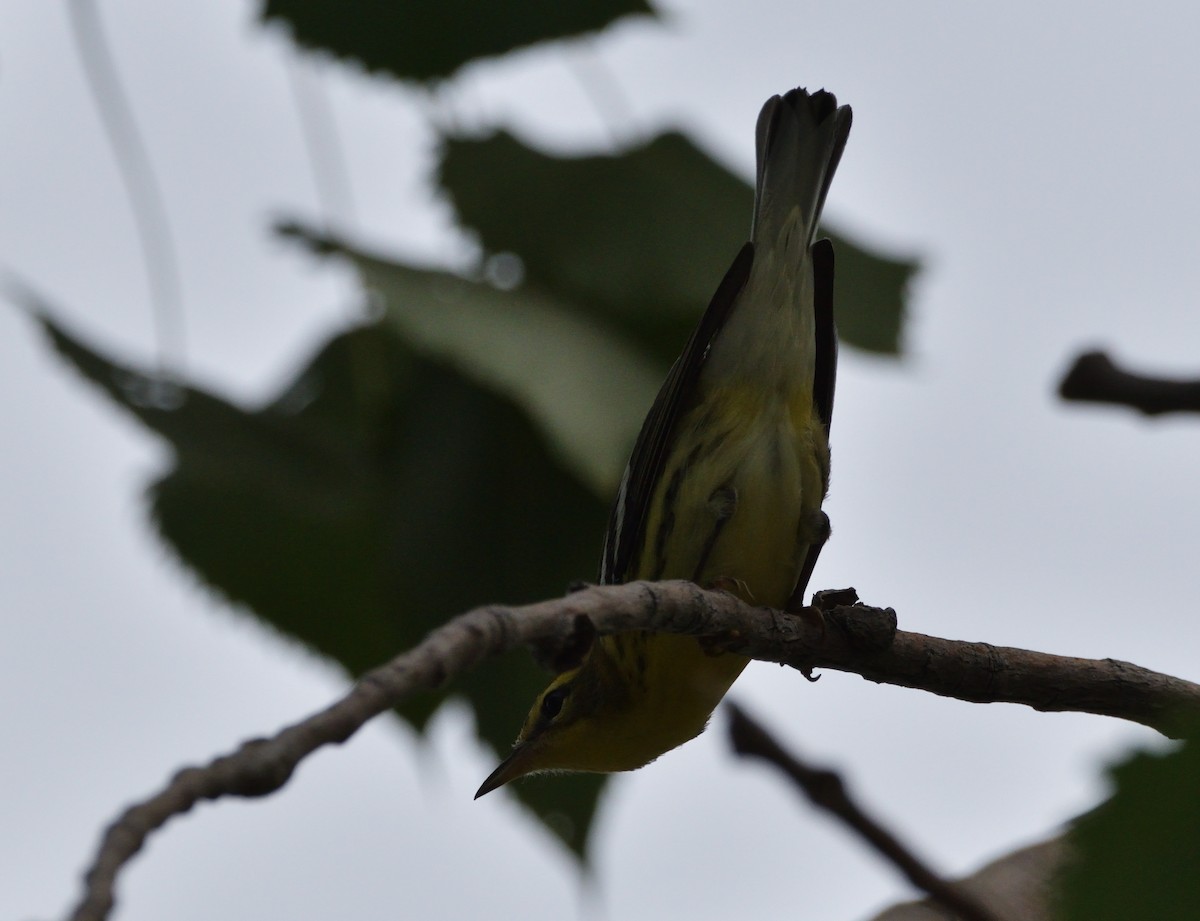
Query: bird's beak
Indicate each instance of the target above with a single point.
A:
(512, 767)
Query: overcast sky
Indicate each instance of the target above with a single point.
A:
(1040, 160)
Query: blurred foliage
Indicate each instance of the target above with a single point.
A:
(651, 232)
(582, 384)
(581, 342)
(1138, 854)
(381, 493)
(431, 39)
(463, 448)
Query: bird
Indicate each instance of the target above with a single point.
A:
(726, 480)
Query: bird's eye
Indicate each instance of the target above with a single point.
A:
(552, 703)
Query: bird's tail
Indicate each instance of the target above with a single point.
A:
(800, 138)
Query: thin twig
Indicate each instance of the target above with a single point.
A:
(1019, 884)
(604, 91)
(145, 199)
(326, 158)
(826, 790)
(848, 637)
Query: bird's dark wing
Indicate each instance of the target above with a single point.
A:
(825, 373)
(627, 523)
(824, 378)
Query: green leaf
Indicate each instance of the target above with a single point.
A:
(870, 294)
(431, 39)
(379, 494)
(585, 388)
(641, 239)
(1138, 855)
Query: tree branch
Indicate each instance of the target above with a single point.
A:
(1096, 378)
(1017, 885)
(983, 673)
(848, 637)
(826, 790)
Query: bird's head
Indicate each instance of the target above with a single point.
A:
(634, 697)
(588, 719)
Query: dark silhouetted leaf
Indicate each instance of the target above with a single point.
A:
(379, 494)
(1138, 855)
(430, 39)
(641, 239)
(870, 294)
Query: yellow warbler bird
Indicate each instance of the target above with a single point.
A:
(725, 484)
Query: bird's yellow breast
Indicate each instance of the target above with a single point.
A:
(743, 491)
(734, 500)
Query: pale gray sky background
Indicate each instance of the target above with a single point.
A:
(1039, 157)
